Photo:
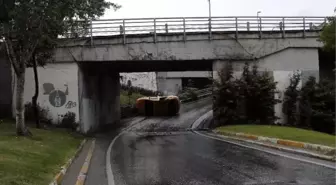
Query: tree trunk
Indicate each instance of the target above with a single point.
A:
(21, 128)
(34, 99)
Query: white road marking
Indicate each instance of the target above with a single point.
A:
(109, 172)
(201, 119)
(270, 152)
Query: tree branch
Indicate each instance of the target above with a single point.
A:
(11, 55)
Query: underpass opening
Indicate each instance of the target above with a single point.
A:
(99, 88)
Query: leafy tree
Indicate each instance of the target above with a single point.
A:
(227, 98)
(32, 28)
(5, 7)
(289, 107)
(323, 107)
(328, 34)
(259, 89)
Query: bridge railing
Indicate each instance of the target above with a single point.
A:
(154, 26)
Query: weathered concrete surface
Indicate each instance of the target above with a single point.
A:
(225, 47)
(99, 97)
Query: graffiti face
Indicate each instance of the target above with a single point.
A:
(57, 98)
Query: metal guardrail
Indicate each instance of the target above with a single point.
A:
(154, 26)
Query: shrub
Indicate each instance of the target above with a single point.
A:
(289, 107)
(29, 114)
(189, 93)
(140, 90)
(259, 89)
(304, 111)
(226, 97)
(322, 102)
(69, 121)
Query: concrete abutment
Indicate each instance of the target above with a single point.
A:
(99, 98)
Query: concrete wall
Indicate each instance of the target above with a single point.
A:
(170, 83)
(99, 97)
(92, 94)
(143, 80)
(169, 86)
(58, 89)
(6, 87)
(282, 65)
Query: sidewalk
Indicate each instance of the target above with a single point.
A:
(71, 175)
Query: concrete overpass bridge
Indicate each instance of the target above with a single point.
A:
(87, 65)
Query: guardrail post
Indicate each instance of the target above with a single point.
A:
(184, 30)
(124, 31)
(304, 27)
(121, 29)
(236, 19)
(166, 26)
(91, 32)
(154, 30)
(283, 27)
(248, 26)
(210, 31)
(260, 28)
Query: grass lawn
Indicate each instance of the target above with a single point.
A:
(124, 99)
(282, 132)
(36, 160)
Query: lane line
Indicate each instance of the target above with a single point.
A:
(109, 172)
(270, 152)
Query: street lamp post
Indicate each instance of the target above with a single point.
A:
(210, 34)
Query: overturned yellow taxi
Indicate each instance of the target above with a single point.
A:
(158, 106)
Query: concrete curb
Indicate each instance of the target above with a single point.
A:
(85, 168)
(59, 177)
(205, 116)
(324, 150)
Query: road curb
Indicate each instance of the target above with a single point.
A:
(324, 150)
(85, 167)
(59, 177)
(205, 116)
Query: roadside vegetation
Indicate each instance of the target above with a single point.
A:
(126, 99)
(246, 103)
(250, 100)
(33, 160)
(282, 132)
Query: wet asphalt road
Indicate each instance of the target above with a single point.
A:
(162, 151)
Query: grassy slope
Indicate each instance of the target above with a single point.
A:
(282, 132)
(33, 161)
(124, 97)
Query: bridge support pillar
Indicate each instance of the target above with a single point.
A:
(99, 98)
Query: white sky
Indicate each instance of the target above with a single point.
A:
(199, 8)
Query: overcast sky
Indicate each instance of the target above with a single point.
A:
(192, 8)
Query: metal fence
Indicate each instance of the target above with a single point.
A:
(201, 24)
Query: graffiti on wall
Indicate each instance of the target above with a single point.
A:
(70, 105)
(58, 97)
